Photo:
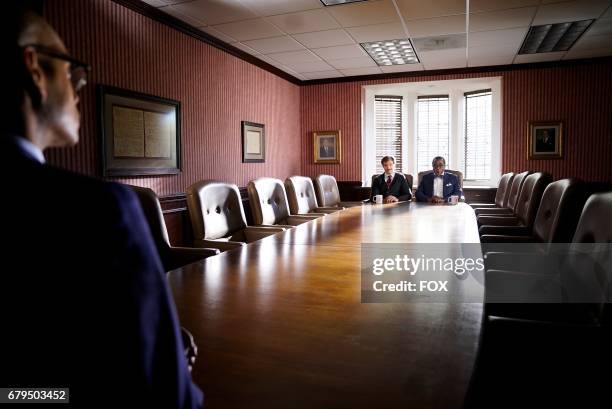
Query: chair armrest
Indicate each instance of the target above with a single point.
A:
(268, 226)
(499, 238)
(504, 230)
(318, 214)
(181, 256)
(487, 220)
(253, 233)
(484, 206)
(218, 244)
(329, 209)
(295, 220)
(495, 211)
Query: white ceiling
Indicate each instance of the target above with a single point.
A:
(311, 41)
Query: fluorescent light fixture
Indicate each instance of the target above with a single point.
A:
(553, 37)
(336, 2)
(391, 52)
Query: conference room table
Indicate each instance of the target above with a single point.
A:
(279, 323)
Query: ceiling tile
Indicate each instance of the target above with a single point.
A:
(594, 42)
(326, 38)
(167, 2)
(349, 72)
(489, 5)
(419, 9)
(493, 50)
(342, 51)
(437, 26)
(377, 32)
(246, 49)
(497, 37)
(274, 45)
(569, 11)
(577, 54)
(608, 13)
(358, 62)
(365, 13)
(274, 7)
(171, 10)
(489, 60)
(294, 57)
(310, 66)
(249, 30)
(433, 60)
(218, 34)
(527, 58)
(215, 12)
(322, 74)
(402, 68)
(601, 26)
(155, 3)
(305, 21)
(497, 20)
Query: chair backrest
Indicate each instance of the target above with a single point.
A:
(515, 190)
(407, 176)
(155, 217)
(457, 173)
(327, 191)
(503, 189)
(301, 194)
(530, 197)
(559, 211)
(215, 209)
(595, 226)
(268, 201)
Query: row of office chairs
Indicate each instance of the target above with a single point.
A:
(218, 219)
(529, 208)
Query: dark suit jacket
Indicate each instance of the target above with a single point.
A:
(84, 301)
(329, 153)
(450, 187)
(399, 187)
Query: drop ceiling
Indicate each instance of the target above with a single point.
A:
(310, 41)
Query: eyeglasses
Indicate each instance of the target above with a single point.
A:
(78, 69)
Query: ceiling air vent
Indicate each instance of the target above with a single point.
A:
(553, 37)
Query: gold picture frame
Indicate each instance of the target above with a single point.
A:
(545, 140)
(326, 146)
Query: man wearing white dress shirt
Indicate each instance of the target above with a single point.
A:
(438, 186)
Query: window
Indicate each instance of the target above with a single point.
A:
(388, 130)
(477, 148)
(432, 130)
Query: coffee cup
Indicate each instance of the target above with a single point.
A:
(378, 199)
(454, 199)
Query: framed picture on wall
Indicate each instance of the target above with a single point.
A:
(253, 142)
(140, 133)
(545, 140)
(326, 146)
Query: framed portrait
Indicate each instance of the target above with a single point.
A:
(253, 142)
(140, 133)
(326, 146)
(545, 140)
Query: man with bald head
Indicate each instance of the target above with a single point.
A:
(84, 301)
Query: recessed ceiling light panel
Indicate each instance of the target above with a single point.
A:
(391, 52)
(553, 37)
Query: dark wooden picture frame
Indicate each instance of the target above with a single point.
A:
(326, 146)
(253, 142)
(140, 133)
(545, 140)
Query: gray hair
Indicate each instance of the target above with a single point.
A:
(437, 158)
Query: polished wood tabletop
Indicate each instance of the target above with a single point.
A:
(279, 323)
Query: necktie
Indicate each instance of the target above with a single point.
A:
(388, 182)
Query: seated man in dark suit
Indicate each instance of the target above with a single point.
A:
(390, 184)
(84, 299)
(438, 186)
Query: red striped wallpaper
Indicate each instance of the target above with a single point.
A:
(580, 96)
(216, 91)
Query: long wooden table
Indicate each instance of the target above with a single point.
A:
(279, 323)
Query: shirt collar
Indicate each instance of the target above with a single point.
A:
(28, 148)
